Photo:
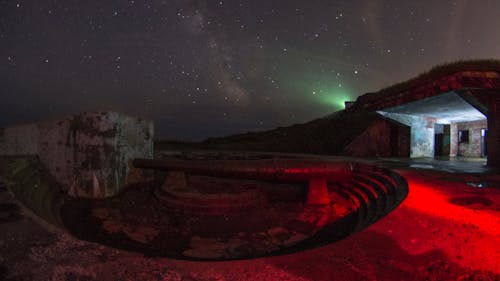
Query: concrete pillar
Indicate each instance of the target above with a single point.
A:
(493, 138)
(453, 139)
(318, 192)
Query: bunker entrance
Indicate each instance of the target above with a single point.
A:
(443, 126)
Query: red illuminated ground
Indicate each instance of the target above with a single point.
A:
(444, 230)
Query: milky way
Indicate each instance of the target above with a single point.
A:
(211, 68)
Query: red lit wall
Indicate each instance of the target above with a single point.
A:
(383, 138)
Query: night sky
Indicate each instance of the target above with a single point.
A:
(212, 68)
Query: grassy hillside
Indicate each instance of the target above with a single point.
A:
(328, 135)
(434, 73)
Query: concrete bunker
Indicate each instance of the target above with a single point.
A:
(452, 110)
(87, 153)
(445, 125)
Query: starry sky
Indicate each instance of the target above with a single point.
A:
(210, 68)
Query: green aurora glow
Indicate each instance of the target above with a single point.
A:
(306, 84)
(335, 98)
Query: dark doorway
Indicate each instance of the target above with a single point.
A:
(438, 144)
(441, 140)
(446, 140)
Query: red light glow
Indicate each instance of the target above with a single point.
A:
(470, 232)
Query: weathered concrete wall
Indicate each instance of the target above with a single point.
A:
(19, 140)
(88, 153)
(383, 138)
(421, 134)
(453, 140)
(472, 148)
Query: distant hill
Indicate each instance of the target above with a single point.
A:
(327, 135)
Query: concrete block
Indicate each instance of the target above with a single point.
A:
(87, 153)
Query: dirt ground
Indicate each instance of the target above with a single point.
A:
(447, 229)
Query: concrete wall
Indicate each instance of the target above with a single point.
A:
(384, 138)
(421, 135)
(472, 148)
(453, 139)
(87, 153)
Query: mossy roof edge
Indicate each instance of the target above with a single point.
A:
(440, 71)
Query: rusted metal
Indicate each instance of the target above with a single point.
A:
(281, 170)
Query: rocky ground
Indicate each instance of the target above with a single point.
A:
(447, 229)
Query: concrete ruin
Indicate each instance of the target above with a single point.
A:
(450, 111)
(87, 153)
(449, 115)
